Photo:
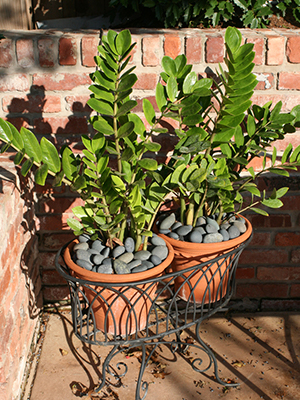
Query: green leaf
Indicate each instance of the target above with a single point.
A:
(125, 129)
(172, 88)
(148, 163)
(239, 136)
(26, 166)
(17, 140)
(111, 36)
(19, 157)
(102, 164)
(74, 224)
(127, 82)
(151, 146)
(123, 42)
(169, 66)
(160, 96)
(295, 154)
(5, 131)
(100, 106)
(286, 153)
(149, 111)
(252, 189)
(41, 174)
(251, 127)
(31, 145)
(272, 203)
(101, 125)
(274, 155)
(189, 82)
(50, 155)
(281, 192)
(260, 211)
(79, 183)
(69, 163)
(126, 107)
(280, 172)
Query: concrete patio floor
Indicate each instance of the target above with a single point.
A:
(261, 351)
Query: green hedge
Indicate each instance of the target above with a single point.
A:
(206, 13)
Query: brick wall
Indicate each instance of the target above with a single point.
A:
(20, 283)
(44, 79)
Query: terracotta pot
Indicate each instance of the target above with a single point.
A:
(188, 254)
(119, 310)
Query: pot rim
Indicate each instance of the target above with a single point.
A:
(218, 246)
(116, 278)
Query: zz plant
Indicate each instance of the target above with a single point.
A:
(122, 185)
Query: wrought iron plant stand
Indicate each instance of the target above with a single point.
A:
(168, 316)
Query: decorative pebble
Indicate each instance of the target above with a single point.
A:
(83, 238)
(140, 268)
(126, 257)
(225, 234)
(142, 255)
(85, 264)
(164, 231)
(213, 238)
(167, 222)
(105, 252)
(107, 262)
(195, 236)
(226, 226)
(200, 229)
(81, 246)
(117, 251)
(176, 225)
(240, 225)
(233, 232)
(184, 230)
(97, 259)
(105, 269)
(134, 264)
(120, 267)
(83, 255)
(200, 221)
(93, 251)
(97, 245)
(155, 260)
(129, 245)
(161, 252)
(211, 228)
(157, 241)
(147, 264)
(213, 222)
(173, 235)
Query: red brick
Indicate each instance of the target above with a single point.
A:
(265, 81)
(193, 49)
(16, 82)
(67, 51)
(261, 239)
(78, 103)
(293, 49)
(25, 53)
(259, 48)
(167, 142)
(261, 290)
(258, 256)
(214, 49)
(278, 273)
(47, 57)
(287, 239)
(31, 104)
(56, 293)
(6, 53)
(291, 202)
(53, 222)
(295, 290)
(52, 277)
(172, 45)
(289, 80)
(245, 273)
(61, 125)
(295, 257)
(89, 46)
(280, 305)
(61, 81)
(272, 221)
(151, 54)
(54, 241)
(146, 81)
(59, 205)
(275, 50)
